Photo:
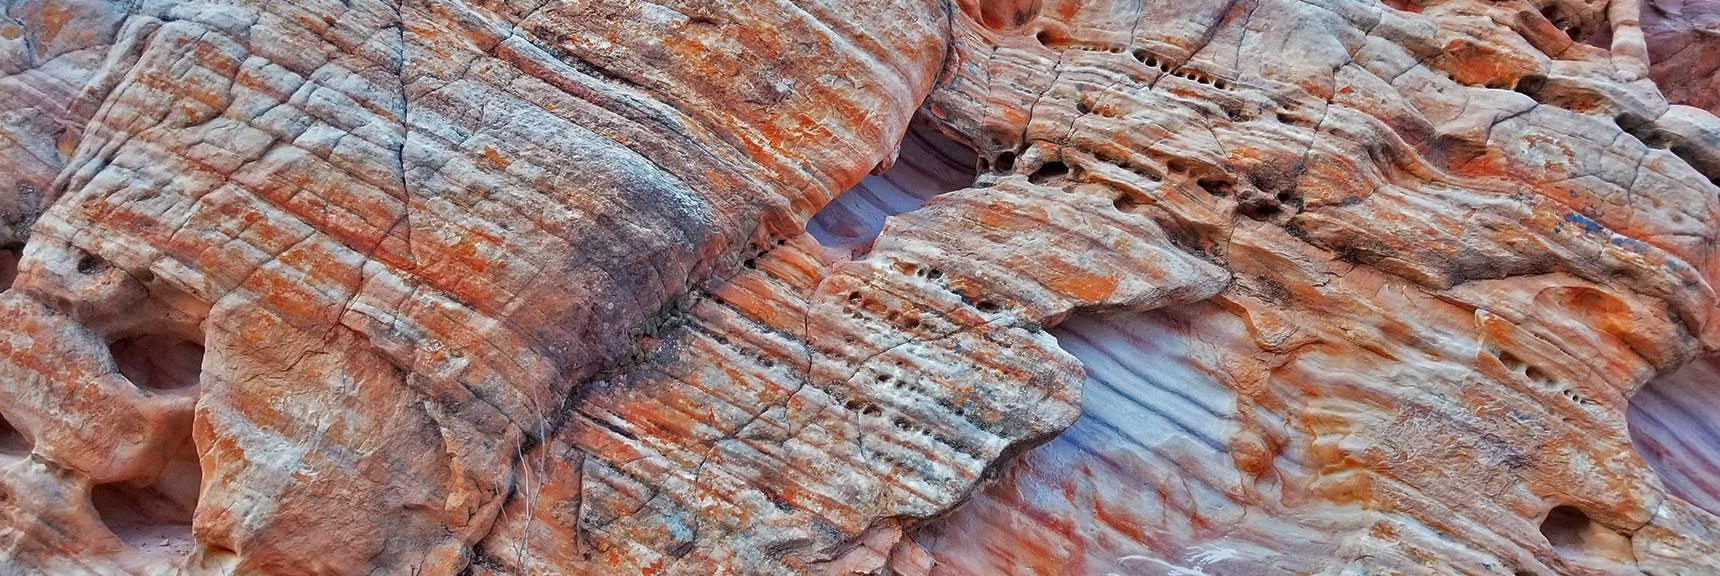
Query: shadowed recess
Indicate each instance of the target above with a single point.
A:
(1675, 426)
(929, 164)
(9, 264)
(12, 442)
(1583, 542)
(155, 519)
(159, 362)
(153, 514)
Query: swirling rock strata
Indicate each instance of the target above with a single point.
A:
(443, 286)
(1460, 241)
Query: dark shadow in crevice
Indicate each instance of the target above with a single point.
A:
(1655, 135)
(1048, 172)
(13, 443)
(9, 255)
(929, 164)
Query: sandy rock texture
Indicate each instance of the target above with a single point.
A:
(1212, 287)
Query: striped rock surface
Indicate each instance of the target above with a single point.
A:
(1135, 287)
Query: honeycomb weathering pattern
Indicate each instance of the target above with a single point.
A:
(1235, 287)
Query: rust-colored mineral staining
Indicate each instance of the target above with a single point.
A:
(1208, 288)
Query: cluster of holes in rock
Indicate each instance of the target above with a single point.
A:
(1540, 377)
(901, 321)
(858, 300)
(936, 278)
(757, 355)
(1004, 162)
(1215, 183)
(870, 409)
(904, 422)
(1259, 209)
(1164, 65)
(907, 321)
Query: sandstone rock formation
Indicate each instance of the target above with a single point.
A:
(594, 287)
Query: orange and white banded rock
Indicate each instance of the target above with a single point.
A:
(1215, 287)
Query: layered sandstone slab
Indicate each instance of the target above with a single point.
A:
(1334, 287)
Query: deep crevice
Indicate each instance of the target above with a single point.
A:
(929, 164)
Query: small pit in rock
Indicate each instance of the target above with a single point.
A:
(929, 164)
(159, 362)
